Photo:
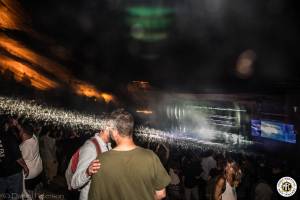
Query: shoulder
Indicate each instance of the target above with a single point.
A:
(221, 181)
(139, 151)
(107, 156)
(32, 141)
(106, 153)
(145, 152)
(88, 147)
(149, 155)
(204, 160)
(88, 143)
(148, 151)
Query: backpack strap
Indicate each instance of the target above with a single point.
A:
(95, 142)
(74, 161)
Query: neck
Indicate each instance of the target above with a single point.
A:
(26, 137)
(229, 179)
(125, 144)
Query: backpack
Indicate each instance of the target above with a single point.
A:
(72, 167)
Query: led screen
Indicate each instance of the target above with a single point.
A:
(273, 130)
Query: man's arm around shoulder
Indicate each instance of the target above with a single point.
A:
(87, 154)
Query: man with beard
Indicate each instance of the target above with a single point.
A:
(87, 165)
(128, 172)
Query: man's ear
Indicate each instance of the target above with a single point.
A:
(115, 134)
(110, 133)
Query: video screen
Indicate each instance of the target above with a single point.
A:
(273, 130)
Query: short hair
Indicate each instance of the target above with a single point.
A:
(27, 126)
(123, 122)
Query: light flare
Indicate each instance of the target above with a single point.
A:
(244, 65)
(18, 50)
(88, 90)
(83, 122)
(107, 97)
(12, 16)
(7, 20)
(146, 112)
(141, 84)
(22, 71)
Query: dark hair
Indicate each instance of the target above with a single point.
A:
(27, 127)
(230, 160)
(123, 121)
(13, 131)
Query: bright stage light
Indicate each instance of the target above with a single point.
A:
(149, 23)
(82, 122)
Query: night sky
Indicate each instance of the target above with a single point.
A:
(205, 40)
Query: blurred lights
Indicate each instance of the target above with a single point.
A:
(244, 66)
(143, 11)
(107, 97)
(141, 84)
(295, 108)
(188, 142)
(219, 108)
(12, 16)
(149, 23)
(7, 20)
(84, 89)
(81, 122)
(146, 112)
(269, 129)
(207, 121)
(15, 48)
(22, 71)
(79, 87)
(54, 116)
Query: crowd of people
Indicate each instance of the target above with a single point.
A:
(110, 164)
(32, 154)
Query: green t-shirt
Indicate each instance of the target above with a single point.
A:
(128, 175)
